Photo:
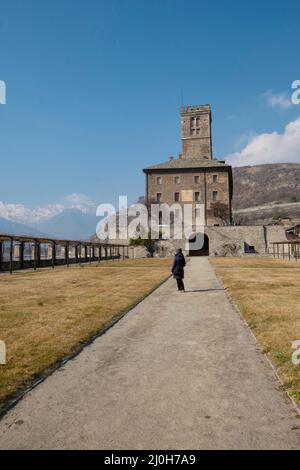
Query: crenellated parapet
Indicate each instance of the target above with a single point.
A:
(202, 108)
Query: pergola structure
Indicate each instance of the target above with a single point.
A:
(287, 250)
(23, 252)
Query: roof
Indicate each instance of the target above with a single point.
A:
(181, 163)
(293, 228)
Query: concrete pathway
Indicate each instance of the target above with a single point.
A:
(180, 371)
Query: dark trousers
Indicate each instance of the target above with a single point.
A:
(180, 284)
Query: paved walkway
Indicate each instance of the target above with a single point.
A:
(180, 371)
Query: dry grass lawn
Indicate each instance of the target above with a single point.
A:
(267, 292)
(45, 315)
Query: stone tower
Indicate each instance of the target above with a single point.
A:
(196, 132)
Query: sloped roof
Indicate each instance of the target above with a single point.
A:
(181, 163)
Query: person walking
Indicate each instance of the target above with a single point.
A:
(178, 269)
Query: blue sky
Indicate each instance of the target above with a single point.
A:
(94, 88)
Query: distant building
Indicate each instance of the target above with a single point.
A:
(195, 177)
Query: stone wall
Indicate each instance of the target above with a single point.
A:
(137, 252)
(231, 241)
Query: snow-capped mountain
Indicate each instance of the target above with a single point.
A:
(72, 218)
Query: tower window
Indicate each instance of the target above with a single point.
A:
(215, 178)
(159, 180)
(215, 196)
(158, 197)
(197, 197)
(197, 179)
(177, 179)
(176, 197)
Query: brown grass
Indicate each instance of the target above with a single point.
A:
(46, 315)
(267, 292)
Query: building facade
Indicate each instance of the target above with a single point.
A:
(194, 177)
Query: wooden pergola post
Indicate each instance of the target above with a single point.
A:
(99, 253)
(53, 254)
(21, 255)
(67, 254)
(80, 252)
(85, 253)
(1, 255)
(35, 254)
(11, 255)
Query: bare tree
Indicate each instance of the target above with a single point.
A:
(221, 211)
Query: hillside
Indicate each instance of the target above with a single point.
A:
(263, 184)
(265, 193)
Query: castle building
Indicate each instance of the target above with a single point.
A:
(195, 177)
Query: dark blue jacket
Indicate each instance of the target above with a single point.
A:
(178, 266)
